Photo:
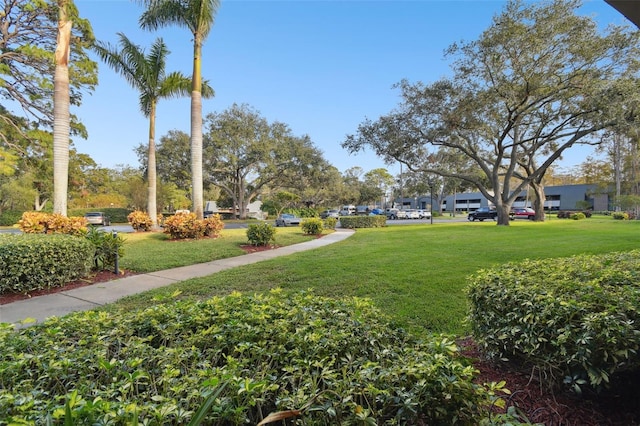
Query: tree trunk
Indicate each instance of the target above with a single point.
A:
(538, 202)
(152, 209)
(503, 214)
(197, 190)
(61, 121)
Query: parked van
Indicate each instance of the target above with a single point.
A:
(348, 210)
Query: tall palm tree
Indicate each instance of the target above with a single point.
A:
(146, 73)
(61, 104)
(198, 16)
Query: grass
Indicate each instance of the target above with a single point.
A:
(148, 252)
(415, 273)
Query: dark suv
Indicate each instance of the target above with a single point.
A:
(483, 213)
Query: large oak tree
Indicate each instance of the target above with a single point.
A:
(538, 81)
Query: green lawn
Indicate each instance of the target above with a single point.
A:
(415, 273)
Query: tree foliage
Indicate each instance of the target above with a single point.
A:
(28, 31)
(538, 81)
(198, 16)
(246, 156)
(147, 73)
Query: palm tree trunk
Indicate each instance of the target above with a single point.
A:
(61, 121)
(152, 209)
(197, 190)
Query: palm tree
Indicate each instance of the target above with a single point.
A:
(61, 114)
(147, 75)
(198, 17)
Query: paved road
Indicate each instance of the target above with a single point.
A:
(127, 228)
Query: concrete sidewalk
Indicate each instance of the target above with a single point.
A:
(89, 297)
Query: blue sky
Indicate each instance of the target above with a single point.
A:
(321, 66)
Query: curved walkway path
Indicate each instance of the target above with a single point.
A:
(89, 297)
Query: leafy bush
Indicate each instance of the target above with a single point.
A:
(261, 234)
(47, 223)
(620, 216)
(313, 226)
(107, 245)
(332, 361)
(572, 215)
(140, 221)
(330, 223)
(10, 217)
(33, 262)
(213, 225)
(576, 319)
(377, 221)
(184, 225)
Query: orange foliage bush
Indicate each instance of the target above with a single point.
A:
(47, 223)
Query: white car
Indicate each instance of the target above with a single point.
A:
(401, 214)
(424, 214)
(412, 214)
(287, 219)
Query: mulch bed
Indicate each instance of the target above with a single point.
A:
(619, 406)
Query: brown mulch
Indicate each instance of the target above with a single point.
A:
(94, 278)
(619, 406)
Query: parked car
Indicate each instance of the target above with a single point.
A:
(483, 213)
(424, 214)
(348, 210)
(287, 219)
(376, 212)
(401, 214)
(412, 214)
(97, 218)
(362, 210)
(522, 213)
(330, 213)
(391, 213)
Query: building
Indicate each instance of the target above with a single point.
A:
(562, 197)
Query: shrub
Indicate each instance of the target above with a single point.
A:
(140, 221)
(578, 216)
(184, 225)
(620, 216)
(34, 262)
(213, 225)
(107, 245)
(10, 217)
(377, 221)
(576, 319)
(313, 226)
(47, 223)
(330, 223)
(261, 234)
(336, 361)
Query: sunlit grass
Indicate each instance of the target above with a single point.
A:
(154, 251)
(416, 273)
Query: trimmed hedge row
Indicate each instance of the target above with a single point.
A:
(351, 222)
(576, 319)
(322, 360)
(32, 262)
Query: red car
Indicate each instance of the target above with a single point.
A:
(522, 213)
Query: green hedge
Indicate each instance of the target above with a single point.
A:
(10, 217)
(576, 319)
(377, 221)
(116, 214)
(336, 361)
(32, 261)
